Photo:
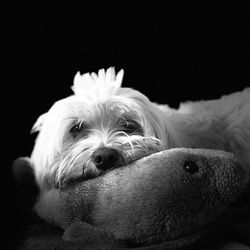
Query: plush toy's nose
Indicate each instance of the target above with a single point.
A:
(106, 158)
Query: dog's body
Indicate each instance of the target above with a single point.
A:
(103, 126)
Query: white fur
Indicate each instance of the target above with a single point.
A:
(100, 101)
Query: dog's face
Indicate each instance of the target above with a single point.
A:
(101, 127)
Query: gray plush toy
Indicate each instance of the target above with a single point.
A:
(167, 200)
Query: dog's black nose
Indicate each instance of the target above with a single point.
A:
(106, 158)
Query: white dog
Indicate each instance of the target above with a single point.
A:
(104, 126)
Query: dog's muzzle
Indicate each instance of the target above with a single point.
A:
(106, 158)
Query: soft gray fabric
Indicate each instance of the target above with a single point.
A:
(151, 201)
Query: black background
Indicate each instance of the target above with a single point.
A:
(171, 53)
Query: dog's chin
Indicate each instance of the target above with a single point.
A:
(85, 169)
(127, 158)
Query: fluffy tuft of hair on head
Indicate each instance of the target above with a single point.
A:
(97, 87)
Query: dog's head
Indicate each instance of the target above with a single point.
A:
(101, 127)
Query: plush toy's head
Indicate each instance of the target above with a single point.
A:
(171, 196)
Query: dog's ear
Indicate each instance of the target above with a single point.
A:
(38, 124)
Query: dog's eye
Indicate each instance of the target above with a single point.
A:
(132, 127)
(191, 167)
(77, 128)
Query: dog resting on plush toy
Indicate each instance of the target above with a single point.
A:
(167, 200)
(103, 126)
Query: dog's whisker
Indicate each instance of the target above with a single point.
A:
(67, 165)
(127, 136)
